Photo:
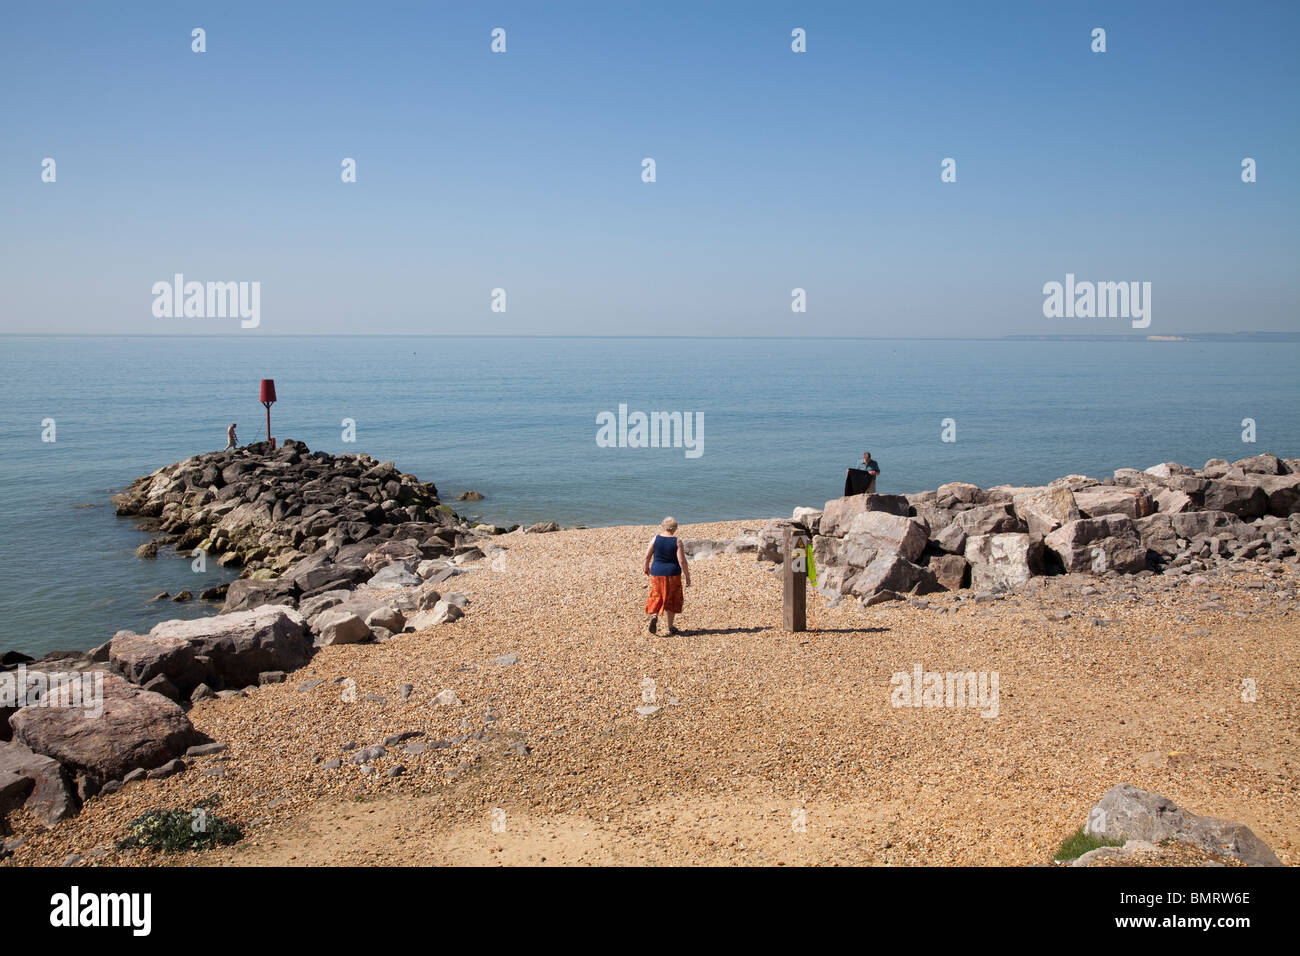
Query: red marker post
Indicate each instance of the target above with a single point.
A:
(267, 398)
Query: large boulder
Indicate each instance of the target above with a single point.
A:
(310, 607)
(1241, 498)
(839, 514)
(1002, 561)
(1168, 469)
(47, 792)
(136, 728)
(244, 594)
(1114, 500)
(327, 573)
(1046, 509)
(771, 539)
(827, 551)
(810, 518)
(925, 504)
(990, 519)
(444, 612)
(1265, 464)
(1171, 501)
(880, 531)
(391, 551)
(951, 539)
(338, 626)
(395, 575)
(1156, 532)
(227, 650)
(1108, 543)
(1190, 524)
(1126, 812)
(893, 572)
(956, 493)
(950, 571)
(1282, 491)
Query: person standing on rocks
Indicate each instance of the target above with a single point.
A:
(231, 441)
(665, 563)
(856, 482)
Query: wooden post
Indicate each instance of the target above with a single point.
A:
(794, 577)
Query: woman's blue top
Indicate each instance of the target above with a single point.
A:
(665, 560)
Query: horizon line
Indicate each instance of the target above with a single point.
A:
(1041, 336)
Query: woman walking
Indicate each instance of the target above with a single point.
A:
(665, 562)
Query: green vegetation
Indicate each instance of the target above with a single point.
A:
(176, 831)
(1078, 843)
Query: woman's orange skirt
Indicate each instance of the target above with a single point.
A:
(665, 594)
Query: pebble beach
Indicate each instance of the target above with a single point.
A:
(573, 736)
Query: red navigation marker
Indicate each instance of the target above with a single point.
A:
(267, 398)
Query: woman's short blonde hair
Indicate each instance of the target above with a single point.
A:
(669, 524)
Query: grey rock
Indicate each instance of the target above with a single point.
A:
(1002, 561)
(394, 576)
(205, 750)
(1126, 812)
(169, 769)
(387, 617)
(340, 627)
(1107, 543)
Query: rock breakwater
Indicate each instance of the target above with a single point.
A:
(1169, 520)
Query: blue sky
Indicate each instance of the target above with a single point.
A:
(775, 170)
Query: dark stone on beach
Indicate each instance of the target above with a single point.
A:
(183, 596)
(469, 496)
(392, 740)
(216, 593)
(160, 596)
(205, 750)
(332, 764)
(544, 527)
(169, 769)
(367, 755)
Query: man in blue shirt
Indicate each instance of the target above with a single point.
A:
(857, 483)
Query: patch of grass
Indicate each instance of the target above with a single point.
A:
(1078, 843)
(179, 831)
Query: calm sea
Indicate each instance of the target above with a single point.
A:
(515, 419)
